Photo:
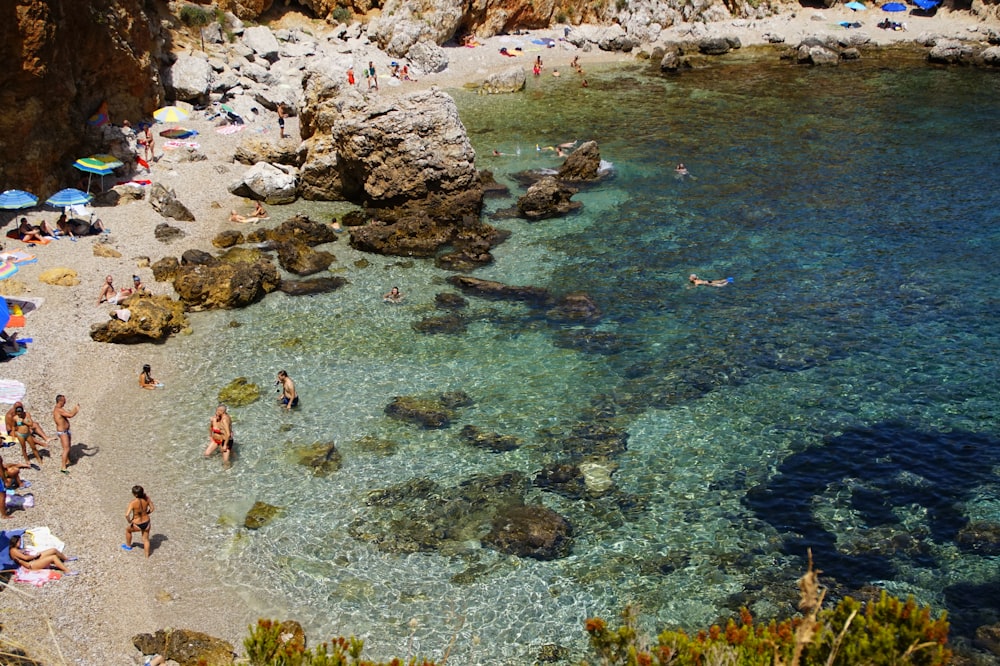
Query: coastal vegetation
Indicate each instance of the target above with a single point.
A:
(851, 633)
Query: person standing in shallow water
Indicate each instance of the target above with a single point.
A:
(289, 398)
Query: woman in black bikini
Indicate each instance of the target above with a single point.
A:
(24, 429)
(137, 516)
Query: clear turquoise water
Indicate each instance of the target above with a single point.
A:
(840, 395)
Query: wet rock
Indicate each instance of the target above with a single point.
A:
(228, 238)
(298, 228)
(499, 291)
(988, 638)
(322, 458)
(412, 235)
(588, 441)
(372, 444)
(449, 324)
(491, 441)
(165, 269)
(152, 319)
(225, 285)
(447, 300)
(467, 258)
(582, 165)
(551, 653)
(491, 188)
(186, 647)
(297, 257)
(241, 255)
(718, 45)
(239, 393)
(165, 233)
(311, 287)
(259, 515)
(597, 476)
(428, 413)
(456, 399)
(546, 199)
(562, 478)
(576, 308)
(165, 202)
(531, 531)
(195, 257)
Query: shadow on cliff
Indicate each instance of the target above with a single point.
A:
(64, 59)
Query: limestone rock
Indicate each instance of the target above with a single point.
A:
(402, 24)
(531, 531)
(512, 79)
(951, 51)
(164, 201)
(165, 269)
(266, 182)
(427, 57)
(262, 41)
(547, 198)
(165, 233)
(297, 257)
(189, 78)
(298, 228)
(62, 277)
(153, 319)
(320, 285)
(105, 250)
(255, 148)
(186, 647)
(228, 238)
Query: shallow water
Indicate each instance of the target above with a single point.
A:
(839, 395)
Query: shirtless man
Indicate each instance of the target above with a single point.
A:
(289, 398)
(110, 295)
(137, 515)
(61, 416)
(220, 434)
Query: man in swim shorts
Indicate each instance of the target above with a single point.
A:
(61, 416)
(289, 398)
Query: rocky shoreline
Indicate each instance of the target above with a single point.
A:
(94, 616)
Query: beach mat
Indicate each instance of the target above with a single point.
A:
(13, 235)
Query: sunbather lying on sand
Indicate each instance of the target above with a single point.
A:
(47, 559)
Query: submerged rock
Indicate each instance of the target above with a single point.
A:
(428, 413)
(322, 458)
(577, 308)
(321, 285)
(490, 441)
(500, 291)
(443, 324)
(239, 393)
(259, 515)
(531, 531)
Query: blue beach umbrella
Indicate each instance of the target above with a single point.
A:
(927, 5)
(17, 199)
(69, 197)
(894, 7)
(856, 6)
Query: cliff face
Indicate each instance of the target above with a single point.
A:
(62, 58)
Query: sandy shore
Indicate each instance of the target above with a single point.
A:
(90, 618)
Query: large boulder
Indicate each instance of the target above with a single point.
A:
(401, 24)
(268, 183)
(151, 319)
(224, 285)
(189, 78)
(255, 148)
(511, 79)
(262, 42)
(297, 257)
(297, 228)
(547, 198)
(951, 52)
(531, 531)
(164, 201)
(427, 57)
(583, 164)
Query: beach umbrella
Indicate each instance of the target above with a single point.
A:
(855, 6)
(92, 165)
(894, 7)
(69, 197)
(17, 199)
(927, 5)
(110, 160)
(171, 114)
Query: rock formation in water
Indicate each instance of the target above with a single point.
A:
(62, 59)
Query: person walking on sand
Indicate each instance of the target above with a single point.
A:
(220, 434)
(137, 515)
(289, 398)
(61, 416)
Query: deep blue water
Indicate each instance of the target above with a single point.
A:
(839, 395)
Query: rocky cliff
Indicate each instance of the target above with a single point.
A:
(62, 59)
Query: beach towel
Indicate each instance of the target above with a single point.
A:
(5, 562)
(178, 133)
(141, 162)
(13, 235)
(36, 578)
(37, 539)
(11, 391)
(170, 145)
(18, 257)
(230, 129)
(19, 501)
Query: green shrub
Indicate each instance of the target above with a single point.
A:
(193, 17)
(341, 14)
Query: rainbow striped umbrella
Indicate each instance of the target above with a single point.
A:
(171, 114)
